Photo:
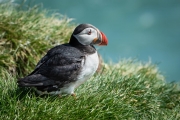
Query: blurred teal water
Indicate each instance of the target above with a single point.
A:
(142, 29)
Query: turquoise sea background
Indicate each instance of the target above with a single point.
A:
(141, 29)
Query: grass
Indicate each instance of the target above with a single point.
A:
(25, 35)
(117, 93)
(129, 89)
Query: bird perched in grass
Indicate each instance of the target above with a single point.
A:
(67, 66)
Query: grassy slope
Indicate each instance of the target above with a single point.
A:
(129, 89)
(117, 93)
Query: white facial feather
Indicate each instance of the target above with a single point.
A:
(85, 38)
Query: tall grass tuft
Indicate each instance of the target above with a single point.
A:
(25, 35)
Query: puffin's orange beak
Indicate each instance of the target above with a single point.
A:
(104, 40)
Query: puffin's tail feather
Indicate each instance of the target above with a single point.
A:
(34, 81)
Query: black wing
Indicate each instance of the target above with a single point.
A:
(59, 66)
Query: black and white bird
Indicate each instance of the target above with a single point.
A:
(67, 66)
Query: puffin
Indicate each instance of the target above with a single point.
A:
(65, 67)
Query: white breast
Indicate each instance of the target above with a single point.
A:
(89, 67)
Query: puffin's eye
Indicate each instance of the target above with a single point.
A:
(89, 33)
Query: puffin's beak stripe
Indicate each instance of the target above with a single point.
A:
(104, 39)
